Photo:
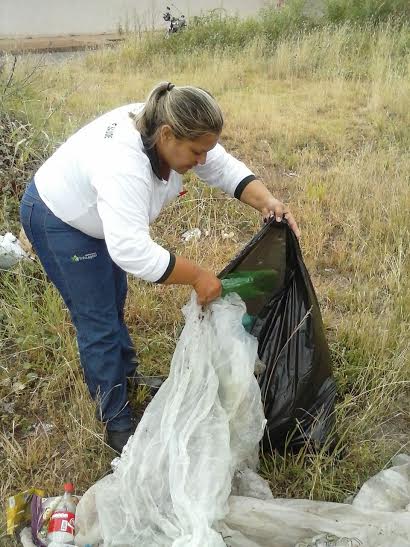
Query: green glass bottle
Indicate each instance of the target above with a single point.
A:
(249, 284)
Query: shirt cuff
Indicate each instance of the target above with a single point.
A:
(169, 269)
(242, 185)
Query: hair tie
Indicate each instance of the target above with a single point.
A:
(170, 86)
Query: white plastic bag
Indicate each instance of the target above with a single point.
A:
(173, 481)
(26, 538)
(11, 251)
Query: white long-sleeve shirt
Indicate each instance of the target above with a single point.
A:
(104, 182)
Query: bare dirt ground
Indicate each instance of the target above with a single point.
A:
(48, 44)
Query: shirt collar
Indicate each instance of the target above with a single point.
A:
(152, 154)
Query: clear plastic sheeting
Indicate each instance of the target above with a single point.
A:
(328, 540)
(172, 483)
(378, 517)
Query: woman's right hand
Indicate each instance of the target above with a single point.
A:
(186, 272)
(207, 286)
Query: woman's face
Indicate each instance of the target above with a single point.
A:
(183, 154)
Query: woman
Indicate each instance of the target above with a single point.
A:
(87, 214)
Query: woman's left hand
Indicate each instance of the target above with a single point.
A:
(259, 197)
(277, 209)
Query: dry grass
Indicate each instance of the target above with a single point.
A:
(324, 136)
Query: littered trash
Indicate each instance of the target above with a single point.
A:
(290, 174)
(41, 428)
(201, 434)
(253, 522)
(29, 512)
(26, 538)
(204, 423)
(38, 514)
(18, 508)
(8, 408)
(195, 233)
(11, 251)
(329, 540)
(228, 235)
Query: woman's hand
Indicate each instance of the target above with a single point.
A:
(258, 196)
(277, 209)
(205, 283)
(207, 286)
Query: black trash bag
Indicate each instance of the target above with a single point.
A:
(298, 391)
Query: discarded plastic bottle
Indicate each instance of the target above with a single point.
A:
(61, 528)
(249, 284)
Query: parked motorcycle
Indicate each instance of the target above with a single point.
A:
(175, 24)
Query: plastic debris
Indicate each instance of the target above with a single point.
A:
(194, 234)
(11, 251)
(329, 540)
(18, 509)
(199, 433)
(290, 174)
(204, 424)
(228, 235)
(26, 538)
(41, 428)
(7, 408)
(61, 525)
(378, 517)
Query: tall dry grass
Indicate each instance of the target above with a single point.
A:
(324, 120)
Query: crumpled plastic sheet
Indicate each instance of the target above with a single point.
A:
(187, 477)
(11, 251)
(378, 517)
(174, 478)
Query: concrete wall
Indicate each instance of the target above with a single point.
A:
(54, 17)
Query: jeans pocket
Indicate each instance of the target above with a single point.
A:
(26, 210)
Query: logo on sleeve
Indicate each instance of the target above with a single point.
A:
(110, 131)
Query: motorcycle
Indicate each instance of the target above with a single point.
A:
(175, 24)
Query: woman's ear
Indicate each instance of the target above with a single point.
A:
(166, 134)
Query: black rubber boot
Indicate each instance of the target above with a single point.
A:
(118, 439)
(153, 382)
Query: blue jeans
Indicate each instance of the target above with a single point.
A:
(94, 290)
